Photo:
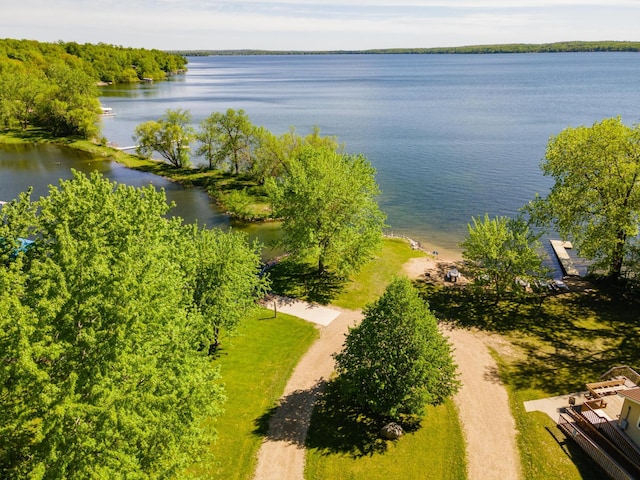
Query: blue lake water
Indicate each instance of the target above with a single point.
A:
(451, 136)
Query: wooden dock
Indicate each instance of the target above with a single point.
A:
(563, 257)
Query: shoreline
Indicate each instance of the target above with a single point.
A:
(433, 250)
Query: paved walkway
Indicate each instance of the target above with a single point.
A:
(312, 312)
(552, 405)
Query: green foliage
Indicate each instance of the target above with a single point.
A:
(54, 85)
(327, 203)
(170, 136)
(273, 153)
(72, 104)
(226, 284)
(578, 46)
(102, 62)
(396, 361)
(595, 200)
(500, 251)
(102, 325)
(227, 138)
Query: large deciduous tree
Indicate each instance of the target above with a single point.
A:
(170, 136)
(396, 361)
(227, 137)
(500, 250)
(103, 374)
(595, 200)
(327, 203)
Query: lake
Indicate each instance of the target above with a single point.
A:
(451, 136)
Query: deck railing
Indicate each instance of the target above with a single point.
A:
(602, 458)
(609, 430)
(622, 371)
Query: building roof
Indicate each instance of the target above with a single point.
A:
(631, 394)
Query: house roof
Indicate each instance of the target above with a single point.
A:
(631, 394)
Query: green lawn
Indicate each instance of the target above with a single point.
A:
(370, 282)
(344, 451)
(302, 281)
(255, 367)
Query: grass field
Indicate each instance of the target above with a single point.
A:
(339, 449)
(255, 367)
(370, 282)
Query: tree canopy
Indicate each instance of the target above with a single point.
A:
(103, 323)
(227, 138)
(170, 136)
(327, 203)
(499, 251)
(53, 85)
(396, 361)
(595, 200)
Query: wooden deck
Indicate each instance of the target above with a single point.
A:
(563, 257)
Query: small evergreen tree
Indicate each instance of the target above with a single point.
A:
(396, 361)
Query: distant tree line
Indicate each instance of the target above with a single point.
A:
(53, 85)
(601, 46)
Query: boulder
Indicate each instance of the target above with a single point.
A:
(391, 431)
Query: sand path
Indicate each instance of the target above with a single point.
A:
(482, 401)
(483, 409)
(281, 455)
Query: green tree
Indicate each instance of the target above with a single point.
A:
(500, 250)
(71, 105)
(226, 280)
(227, 137)
(21, 94)
(273, 153)
(396, 361)
(595, 200)
(328, 206)
(102, 373)
(170, 136)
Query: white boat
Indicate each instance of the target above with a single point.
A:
(107, 111)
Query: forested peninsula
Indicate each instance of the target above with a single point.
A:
(53, 86)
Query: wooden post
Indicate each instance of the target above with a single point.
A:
(275, 309)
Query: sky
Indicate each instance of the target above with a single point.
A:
(316, 24)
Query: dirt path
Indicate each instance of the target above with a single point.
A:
(482, 401)
(281, 455)
(483, 409)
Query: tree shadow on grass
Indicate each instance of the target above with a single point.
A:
(566, 339)
(300, 280)
(338, 427)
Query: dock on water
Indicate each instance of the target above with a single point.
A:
(560, 249)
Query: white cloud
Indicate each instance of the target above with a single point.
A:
(312, 25)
